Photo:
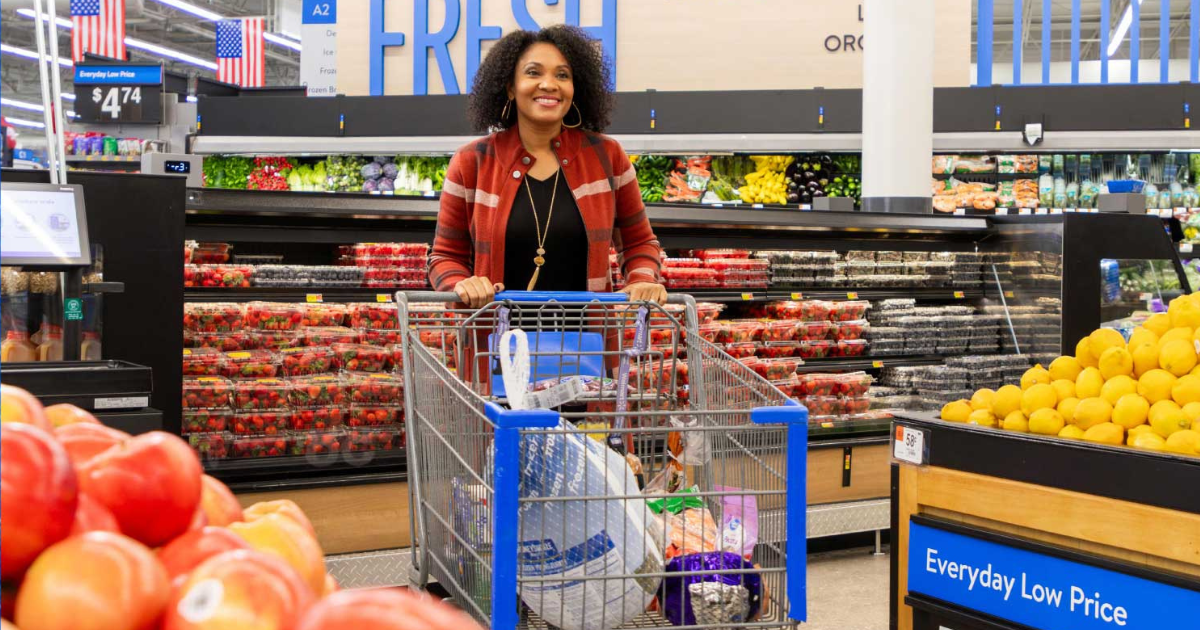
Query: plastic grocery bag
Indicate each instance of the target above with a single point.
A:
(573, 540)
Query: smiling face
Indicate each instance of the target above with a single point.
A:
(542, 85)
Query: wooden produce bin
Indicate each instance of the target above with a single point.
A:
(1113, 531)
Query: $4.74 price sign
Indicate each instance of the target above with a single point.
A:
(118, 93)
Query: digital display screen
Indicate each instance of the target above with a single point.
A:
(42, 225)
(177, 166)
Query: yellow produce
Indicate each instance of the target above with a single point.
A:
(1064, 388)
(1118, 386)
(1191, 411)
(1186, 390)
(1083, 353)
(1092, 411)
(1162, 407)
(1089, 383)
(1148, 441)
(1015, 421)
(1184, 312)
(1177, 357)
(1116, 362)
(1034, 376)
(1184, 442)
(1145, 357)
(1006, 401)
(983, 399)
(1066, 409)
(1168, 422)
(982, 417)
(1046, 422)
(1065, 368)
(1105, 433)
(1102, 339)
(1038, 396)
(1071, 432)
(1159, 324)
(1176, 334)
(1155, 385)
(1130, 411)
(1141, 428)
(957, 411)
(1141, 335)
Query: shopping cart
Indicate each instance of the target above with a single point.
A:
(538, 518)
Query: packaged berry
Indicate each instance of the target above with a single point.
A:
(318, 442)
(205, 420)
(191, 276)
(329, 335)
(317, 391)
(357, 357)
(412, 249)
(779, 330)
(375, 388)
(385, 438)
(374, 316)
(742, 349)
(261, 422)
(324, 315)
(816, 349)
(276, 339)
(308, 361)
(779, 349)
(852, 347)
(683, 263)
(855, 405)
(210, 446)
(746, 330)
(250, 364)
(262, 393)
(851, 330)
(853, 384)
(319, 418)
(690, 283)
(813, 331)
(773, 369)
(273, 316)
(370, 415)
(706, 312)
(849, 311)
(373, 249)
(823, 405)
(817, 384)
(804, 310)
(395, 357)
(211, 253)
(202, 361)
(706, 254)
(213, 317)
(224, 342)
(743, 264)
(253, 447)
(206, 392)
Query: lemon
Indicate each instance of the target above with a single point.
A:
(1186, 390)
(1176, 334)
(1071, 432)
(1195, 370)
(1064, 388)
(957, 411)
(1141, 335)
(1066, 408)
(1159, 324)
(1089, 383)
(1154, 385)
(1141, 428)
(1039, 396)
(1116, 362)
(1162, 407)
(1046, 422)
(982, 417)
(1102, 339)
(1191, 411)
(1168, 422)
(1065, 368)
(1145, 357)
(983, 399)
(1034, 376)
(1116, 387)
(1006, 401)
(1130, 411)
(1105, 433)
(1184, 313)
(1083, 353)
(1092, 411)
(1148, 441)
(1015, 421)
(1183, 442)
(1177, 357)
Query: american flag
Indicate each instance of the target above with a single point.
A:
(240, 51)
(98, 28)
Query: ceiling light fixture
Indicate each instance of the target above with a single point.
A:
(1122, 29)
(24, 123)
(29, 54)
(33, 107)
(132, 43)
(283, 41)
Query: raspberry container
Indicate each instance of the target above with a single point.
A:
(319, 419)
(205, 420)
(812, 331)
(851, 330)
(384, 438)
(263, 393)
(318, 442)
(308, 361)
(780, 330)
(202, 361)
(849, 311)
(779, 349)
(371, 415)
(816, 349)
(742, 349)
(357, 357)
(206, 392)
(255, 446)
(223, 342)
(251, 364)
(374, 316)
(273, 316)
(210, 446)
(213, 317)
(852, 347)
(318, 391)
(329, 335)
(374, 388)
(261, 422)
(276, 339)
(324, 315)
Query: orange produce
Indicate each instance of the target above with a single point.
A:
(239, 589)
(280, 536)
(63, 414)
(4, 625)
(151, 483)
(95, 581)
(286, 507)
(84, 440)
(18, 405)
(331, 585)
(90, 516)
(185, 553)
(38, 494)
(218, 502)
(383, 609)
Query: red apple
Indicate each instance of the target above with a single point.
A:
(286, 507)
(19, 406)
(8, 601)
(94, 581)
(84, 440)
(63, 414)
(38, 494)
(239, 589)
(151, 483)
(218, 502)
(383, 609)
(90, 516)
(183, 554)
(280, 536)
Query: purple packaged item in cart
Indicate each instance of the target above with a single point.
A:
(685, 602)
(739, 527)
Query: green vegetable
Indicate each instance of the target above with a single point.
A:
(652, 173)
(227, 171)
(343, 173)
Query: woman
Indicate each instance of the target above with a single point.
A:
(537, 204)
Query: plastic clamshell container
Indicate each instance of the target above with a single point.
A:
(707, 312)
(823, 405)
(319, 418)
(851, 329)
(273, 316)
(746, 264)
(716, 332)
(813, 331)
(779, 349)
(202, 361)
(206, 392)
(773, 369)
(852, 347)
(817, 384)
(849, 310)
(259, 446)
(382, 438)
(370, 415)
(324, 315)
(395, 356)
(855, 404)
(276, 339)
(853, 384)
(213, 317)
(696, 283)
(374, 316)
(780, 330)
(381, 388)
(706, 254)
(742, 349)
(683, 263)
(211, 252)
(318, 391)
(308, 360)
(261, 422)
(250, 364)
(210, 446)
(318, 442)
(357, 357)
(223, 342)
(746, 330)
(806, 310)
(329, 335)
(262, 393)
(205, 420)
(816, 349)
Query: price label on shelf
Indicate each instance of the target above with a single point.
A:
(756, 205)
(958, 212)
(1044, 211)
(796, 295)
(852, 295)
(1185, 248)
(1001, 211)
(747, 297)
(1008, 294)
(1024, 211)
(382, 298)
(313, 298)
(1180, 211)
(1145, 296)
(958, 295)
(877, 364)
(909, 445)
(1056, 210)
(826, 425)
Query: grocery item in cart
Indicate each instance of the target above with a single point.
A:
(717, 598)
(686, 523)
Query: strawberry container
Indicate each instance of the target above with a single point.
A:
(853, 384)
(849, 311)
(218, 276)
(380, 277)
(717, 332)
(816, 384)
(805, 310)
(277, 339)
(779, 350)
(222, 342)
(395, 358)
(202, 361)
(788, 386)
(374, 316)
(851, 330)
(706, 254)
(852, 347)
(706, 312)
(683, 263)
(746, 330)
(384, 438)
(813, 331)
(273, 316)
(371, 415)
(191, 276)
(780, 330)
(816, 349)
(357, 357)
(823, 405)
(412, 249)
(318, 391)
(374, 249)
(742, 349)
(206, 392)
(324, 315)
(261, 422)
(418, 263)
(205, 420)
(210, 446)
(329, 335)
(262, 393)
(320, 418)
(743, 282)
(213, 317)
(856, 405)
(251, 364)
(256, 446)
(690, 283)
(208, 253)
(773, 369)
(317, 442)
(308, 361)
(738, 264)
(436, 338)
(689, 273)
(374, 388)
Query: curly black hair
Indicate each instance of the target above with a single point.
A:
(588, 69)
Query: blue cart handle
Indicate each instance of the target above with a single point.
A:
(560, 296)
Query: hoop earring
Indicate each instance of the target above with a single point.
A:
(580, 117)
(506, 111)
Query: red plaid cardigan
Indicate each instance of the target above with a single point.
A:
(484, 178)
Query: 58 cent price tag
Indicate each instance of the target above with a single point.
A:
(909, 445)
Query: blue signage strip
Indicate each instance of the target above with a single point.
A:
(118, 75)
(319, 12)
(1038, 590)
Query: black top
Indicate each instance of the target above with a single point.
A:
(566, 247)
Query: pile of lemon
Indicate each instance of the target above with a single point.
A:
(1144, 393)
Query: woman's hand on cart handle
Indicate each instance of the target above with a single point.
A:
(646, 292)
(477, 291)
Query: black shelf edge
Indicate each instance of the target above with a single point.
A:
(841, 433)
(869, 362)
(288, 294)
(309, 471)
(991, 175)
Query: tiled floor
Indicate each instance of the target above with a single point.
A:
(847, 590)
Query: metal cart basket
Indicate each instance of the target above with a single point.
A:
(570, 516)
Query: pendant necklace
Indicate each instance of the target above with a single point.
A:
(540, 259)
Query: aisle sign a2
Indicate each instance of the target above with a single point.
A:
(118, 93)
(318, 56)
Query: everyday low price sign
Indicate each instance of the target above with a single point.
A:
(1038, 590)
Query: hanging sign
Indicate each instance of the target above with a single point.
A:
(318, 56)
(118, 93)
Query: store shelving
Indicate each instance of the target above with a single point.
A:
(850, 364)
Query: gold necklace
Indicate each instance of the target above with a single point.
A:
(540, 259)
